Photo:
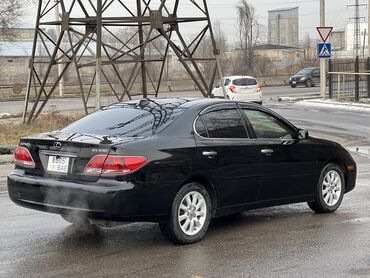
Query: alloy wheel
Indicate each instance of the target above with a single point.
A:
(192, 213)
(331, 188)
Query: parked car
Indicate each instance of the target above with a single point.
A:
(178, 162)
(240, 88)
(308, 77)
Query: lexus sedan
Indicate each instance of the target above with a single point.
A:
(179, 163)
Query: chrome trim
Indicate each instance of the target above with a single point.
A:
(58, 153)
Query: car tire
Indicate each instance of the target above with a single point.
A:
(330, 190)
(190, 215)
(293, 86)
(309, 83)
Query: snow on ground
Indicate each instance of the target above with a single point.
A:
(332, 104)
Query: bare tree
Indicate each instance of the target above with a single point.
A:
(248, 31)
(11, 12)
(264, 65)
(309, 58)
(206, 50)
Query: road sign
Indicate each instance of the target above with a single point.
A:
(324, 32)
(324, 50)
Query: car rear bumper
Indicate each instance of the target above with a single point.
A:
(104, 200)
(254, 97)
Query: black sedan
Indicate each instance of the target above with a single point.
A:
(178, 162)
(308, 77)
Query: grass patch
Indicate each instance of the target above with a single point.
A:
(12, 132)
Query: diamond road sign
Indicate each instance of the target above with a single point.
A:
(324, 50)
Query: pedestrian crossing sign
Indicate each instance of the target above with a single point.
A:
(324, 50)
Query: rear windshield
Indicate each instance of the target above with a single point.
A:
(245, 82)
(141, 119)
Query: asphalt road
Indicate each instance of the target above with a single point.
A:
(286, 241)
(75, 104)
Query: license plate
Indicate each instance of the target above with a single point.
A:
(58, 164)
(294, 82)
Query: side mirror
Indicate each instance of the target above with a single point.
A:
(303, 134)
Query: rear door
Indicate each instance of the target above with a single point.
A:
(316, 76)
(288, 164)
(230, 157)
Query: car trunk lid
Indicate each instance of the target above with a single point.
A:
(65, 155)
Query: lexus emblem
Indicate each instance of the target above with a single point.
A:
(57, 145)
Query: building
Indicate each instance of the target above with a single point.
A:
(18, 34)
(281, 56)
(338, 40)
(350, 36)
(283, 27)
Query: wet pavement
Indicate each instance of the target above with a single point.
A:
(286, 241)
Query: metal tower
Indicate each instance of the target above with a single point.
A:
(119, 43)
(357, 30)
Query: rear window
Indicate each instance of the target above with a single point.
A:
(128, 119)
(245, 82)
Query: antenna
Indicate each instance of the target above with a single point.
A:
(121, 45)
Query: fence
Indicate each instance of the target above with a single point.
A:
(349, 78)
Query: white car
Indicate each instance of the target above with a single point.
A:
(240, 88)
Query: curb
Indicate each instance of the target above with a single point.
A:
(6, 159)
(293, 99)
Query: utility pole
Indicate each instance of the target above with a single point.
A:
(142, 50)
(322, 61)
(57, 34)
(368, 29)
(98, 54)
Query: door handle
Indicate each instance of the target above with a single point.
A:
(209, 154)
(267, 152)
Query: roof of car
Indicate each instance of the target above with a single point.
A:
(181, 103)
(312, 68)
(239, 76)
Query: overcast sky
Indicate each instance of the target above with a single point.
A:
(224, 11)
(309, 13)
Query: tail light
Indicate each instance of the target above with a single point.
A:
(232, 89)
(259, 88)
(110, 165)
(23, 158)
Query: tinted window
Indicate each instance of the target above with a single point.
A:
(224, 123)
(304, 72)
(200, 128)
(316, 72)
(227, 82)
(136, 119)
(245, 82)
(267, 126)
